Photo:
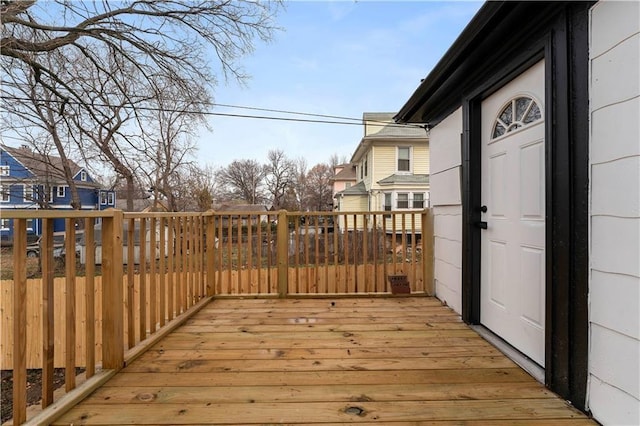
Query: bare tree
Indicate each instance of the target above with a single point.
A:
(117, 52)
(244, 180)
(319, 188)
(280, 175)
(156, 36)
(41, 122)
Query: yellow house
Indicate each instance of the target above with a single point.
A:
(392, 169)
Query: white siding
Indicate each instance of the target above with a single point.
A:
(445, 165)
(614, 297)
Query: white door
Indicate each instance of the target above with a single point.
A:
(513, 244)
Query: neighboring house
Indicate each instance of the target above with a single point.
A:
(344, 177)
(256, 213)
(391, 166)
(30, 180)
(537, 211)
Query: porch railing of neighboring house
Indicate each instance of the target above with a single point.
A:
(93, 310)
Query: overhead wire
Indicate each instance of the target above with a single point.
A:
(345, 120)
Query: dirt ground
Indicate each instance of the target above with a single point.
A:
(34, 389)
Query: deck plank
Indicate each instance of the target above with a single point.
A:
(395, 361)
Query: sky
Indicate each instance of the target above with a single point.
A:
(339, 58)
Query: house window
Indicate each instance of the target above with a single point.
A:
(111, 198)
(402, 200)
(418, 200)
(361, 171)
(61, 191)
(387, 201)
(28, 193)
(365, 167)
(103, 198)
(4, 224)
(347, 185)
(83, 176)
(4, 194)
(518, 112)
(404, 159)
(30, 223)
(4, 170)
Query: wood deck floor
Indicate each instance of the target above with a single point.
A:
(393, 361)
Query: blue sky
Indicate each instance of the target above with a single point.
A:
(338, 58)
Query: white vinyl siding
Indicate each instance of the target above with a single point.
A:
(614, 287)
(445, 199)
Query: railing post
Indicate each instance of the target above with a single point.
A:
(112, 292)
(211, 253)
(283, 254)
(427, 252)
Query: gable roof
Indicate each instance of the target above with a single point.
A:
(381, 127)
(347, 173)
(43, 167)
(405, 179)
(357, 189)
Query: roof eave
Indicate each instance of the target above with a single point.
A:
(418, 108)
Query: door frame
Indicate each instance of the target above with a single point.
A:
(564, 47)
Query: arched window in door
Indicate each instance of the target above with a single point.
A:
(517, 113)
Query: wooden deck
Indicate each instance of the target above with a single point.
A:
(393, 361)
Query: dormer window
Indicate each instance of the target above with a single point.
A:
(83, 176)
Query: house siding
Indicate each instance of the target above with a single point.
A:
(614, 325)
(445, 163)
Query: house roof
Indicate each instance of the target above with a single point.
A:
(242, 208)
(357, 189)
(43, 166)
(379, 126)
(347, 173)
(405, 179)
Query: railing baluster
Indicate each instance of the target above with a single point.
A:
(250, 252)
(365, 252)
(171, 281)
(282, 254)
(385, 257)
(240, 275)
(90, 300)
(184, 269)
(131, 291)
(163, 272)
(19, 321)
(48, 309)
(325, 233)
(413, 280)
(143, 279)
(375, 248)
(347, 274)
(70, 305)
(152, 277)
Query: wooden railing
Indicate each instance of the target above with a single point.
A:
(320, 253)
(147, 272)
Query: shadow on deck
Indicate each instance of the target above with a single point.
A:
(323, 361)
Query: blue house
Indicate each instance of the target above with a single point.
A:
(32, 180)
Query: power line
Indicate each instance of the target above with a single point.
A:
(346, 120)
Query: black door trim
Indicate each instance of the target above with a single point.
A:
(563, 42)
